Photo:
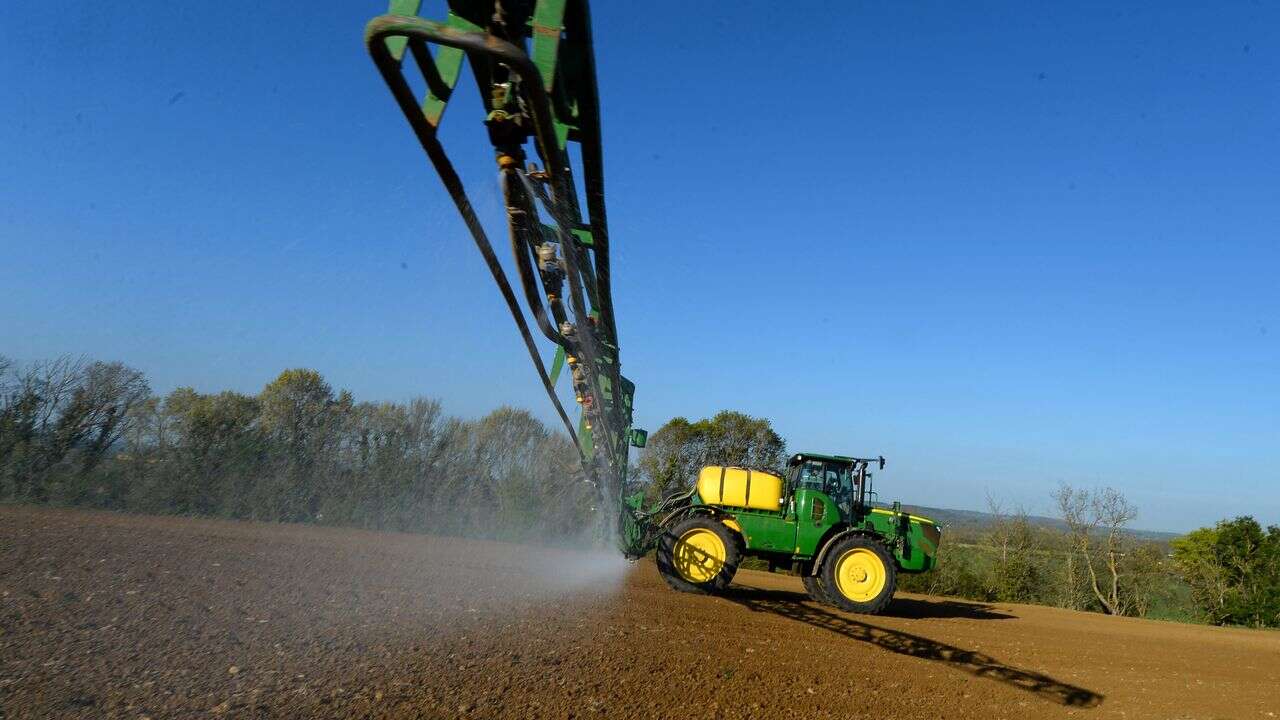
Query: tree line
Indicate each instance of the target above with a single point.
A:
(85, 433)
(93, 434)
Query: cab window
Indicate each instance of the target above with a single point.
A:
(812, 475)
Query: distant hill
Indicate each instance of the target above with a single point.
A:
(977, 520)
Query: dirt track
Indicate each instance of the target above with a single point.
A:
(106, 615)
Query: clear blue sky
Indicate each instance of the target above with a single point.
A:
(1005, 245)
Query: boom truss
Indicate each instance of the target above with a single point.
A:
(533, 64)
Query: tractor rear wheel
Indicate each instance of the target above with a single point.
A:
(859, 575)
(698, 555)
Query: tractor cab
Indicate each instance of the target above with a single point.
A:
(846, 480)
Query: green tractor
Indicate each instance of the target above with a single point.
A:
(818, 522)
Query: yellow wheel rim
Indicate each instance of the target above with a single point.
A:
(699, 555)
(860, 575)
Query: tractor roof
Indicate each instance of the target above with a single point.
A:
(800, 456)
(821, 456)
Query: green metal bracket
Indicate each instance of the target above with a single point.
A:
(583, 236)
(397, 43)
(548, 23)
(449, 65)
(557, 364)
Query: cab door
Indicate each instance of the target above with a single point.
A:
(815, 513)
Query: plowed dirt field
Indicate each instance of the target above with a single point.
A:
(105, 615)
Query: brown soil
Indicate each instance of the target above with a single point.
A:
(105, 615)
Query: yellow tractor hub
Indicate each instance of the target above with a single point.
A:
(860, 575)
(699, 555)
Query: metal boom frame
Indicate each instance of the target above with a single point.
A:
(533, 64)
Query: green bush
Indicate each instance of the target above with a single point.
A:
(1233, 570)
(963, 571)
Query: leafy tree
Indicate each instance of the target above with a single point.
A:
(1233, 569)
(98, 411)
(671, 456)
(302, 419)
(388, 465)
(676, 452)
(1146, 576)
(32, 401)
(58, 421)
(214, 444)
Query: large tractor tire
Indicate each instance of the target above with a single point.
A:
(698, 555)
(859, 575)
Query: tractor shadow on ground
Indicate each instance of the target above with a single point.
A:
(913, 609)
(799, 607)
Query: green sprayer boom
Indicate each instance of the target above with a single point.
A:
(533, 64)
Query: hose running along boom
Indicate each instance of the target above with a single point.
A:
(532, 62)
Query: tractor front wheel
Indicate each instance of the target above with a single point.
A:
(858, 575)
(698, 555)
